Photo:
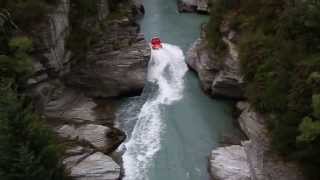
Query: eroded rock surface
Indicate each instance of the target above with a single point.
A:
(256, 153)
(219, 76)
(64, 88)
(229, 163)
(96, 167)
(117, 64)
(264, 163)
(69, 106)
(198, 59)
(253, 158)
(100, 137)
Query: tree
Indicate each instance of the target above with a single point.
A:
(28, 149)
(280, 62)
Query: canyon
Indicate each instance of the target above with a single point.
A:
(86, 99)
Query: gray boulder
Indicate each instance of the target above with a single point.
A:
(202, 6)
(198, 60)
(67, 105)
(218, 77)
(229, 163)
(96, 167)
(72, 161)
(229, 82)
(227, 85)
(100, 137)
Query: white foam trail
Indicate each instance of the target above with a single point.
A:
(166, 69)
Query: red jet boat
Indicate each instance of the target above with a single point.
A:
(156, 43)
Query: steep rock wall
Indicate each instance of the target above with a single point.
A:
(219, 76)
(254, 158)
(51, 58)
(115, 65)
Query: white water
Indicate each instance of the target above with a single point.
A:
(166, 70)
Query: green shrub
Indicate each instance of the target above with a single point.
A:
(213, 33)
(309, 130)
(85, 26)
(28, 149)
(16, 64)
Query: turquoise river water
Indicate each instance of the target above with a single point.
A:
(173, 125)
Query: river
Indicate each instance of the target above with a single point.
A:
(172, 127)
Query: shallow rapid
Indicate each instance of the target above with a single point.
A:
(172, 127)
(166, 71)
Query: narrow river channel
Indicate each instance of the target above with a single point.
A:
(173, 125)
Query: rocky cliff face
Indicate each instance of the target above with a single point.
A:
(254, 156)
(117, 63)
(63, 87)
(51, 58)
(219, 76)
(252, 159)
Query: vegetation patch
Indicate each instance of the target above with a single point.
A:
(85, 26)
(280, 59)
(28, 148)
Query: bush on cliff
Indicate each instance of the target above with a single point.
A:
(280, 60)
(28, 149)
(82, 13)
(86, 25)
(214, 34)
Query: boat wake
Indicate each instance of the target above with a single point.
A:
(166, 71)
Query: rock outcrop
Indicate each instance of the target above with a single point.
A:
(229, 163)
(96, 166)
(198, 60)
(201, 6)
(85, 164)
(76, 121)
(116, 65)
(263, 164)
(253, 159)
(50, 57)
(100, 137)
(219, 76)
